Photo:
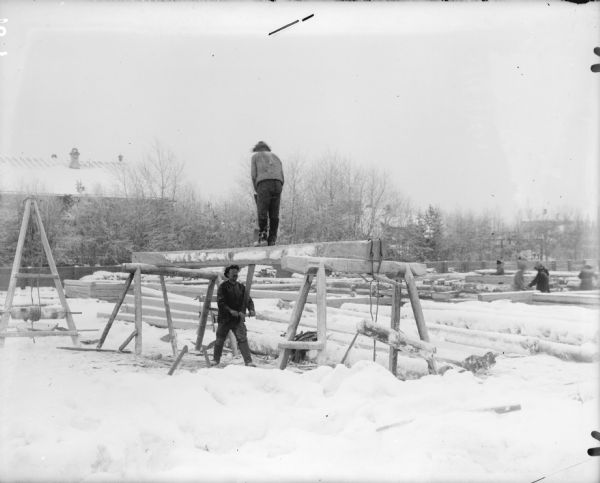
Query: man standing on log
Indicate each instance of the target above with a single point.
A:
(267, 179)
(232, 315)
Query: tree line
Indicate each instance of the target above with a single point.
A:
(153, 209)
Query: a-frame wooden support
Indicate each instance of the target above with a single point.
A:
(32, 205)
(286, 347)
(308, 265)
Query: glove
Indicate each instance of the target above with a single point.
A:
(252, 313)
(234, 313)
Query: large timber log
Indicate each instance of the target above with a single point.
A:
(269, 255)
(301, 264)
(171, 271)
(395, 339)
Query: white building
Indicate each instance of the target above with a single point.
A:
(55, 176)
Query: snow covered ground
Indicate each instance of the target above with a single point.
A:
(77, 416)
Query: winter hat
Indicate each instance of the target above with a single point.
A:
(261, 146)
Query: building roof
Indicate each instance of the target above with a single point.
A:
(52, 175)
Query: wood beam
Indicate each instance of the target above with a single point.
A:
(147, 268)
(269, 255)
(301, 264)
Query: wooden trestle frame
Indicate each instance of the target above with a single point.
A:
(311, 260)
(31, 205)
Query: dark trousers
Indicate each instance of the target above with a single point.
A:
(267, 204)
(239, 330)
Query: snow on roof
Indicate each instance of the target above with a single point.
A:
(53, 176)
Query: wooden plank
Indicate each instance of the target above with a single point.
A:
(191, 306)
(12, 284)
(137, 293)
(247, 289)
(33, 276)
(172, 334)
(54, 270)
(160, 312)
(395, 325)
(566, 298)
(295, 319)
(269, 255)
(394, 338)
(39, 333)
(321, 309)
(115, 311)
(177, 360)
(415, 303)
(348, 265)
(128, 340)
(286, 295)
(489, 279)
(517, 296)
(204, 313)
(302, 345)
(153, 320)
(170, 271)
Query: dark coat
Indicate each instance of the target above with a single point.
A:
(587, 276)
(541, 280)
(230, 297)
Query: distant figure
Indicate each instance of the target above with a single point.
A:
(587, 277)
(519, 278)
(542, 279)
(267, 179)
(499, 267)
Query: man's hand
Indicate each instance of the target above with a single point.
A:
(252, 313)
(234, 313)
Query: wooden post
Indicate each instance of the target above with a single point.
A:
(172, 333)
(137, 294)
(178, 360)
(415, 303)
(115, 311)
(249, 277)
(128, 340)
(54, 270)
(395, 325)
(12, 285)
(350, 347)
(284, 355)
(205, 312)
(321, 310)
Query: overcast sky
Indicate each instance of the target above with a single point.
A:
(466, 105)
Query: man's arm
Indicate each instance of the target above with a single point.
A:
(250, 307)
(253, 171)
(534, 281)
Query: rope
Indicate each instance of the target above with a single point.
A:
(373, 278)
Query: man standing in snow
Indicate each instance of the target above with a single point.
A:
(519, 278)
(267, 179)
(499, 267)
(232, 314)
(542, 279)
(587, 277)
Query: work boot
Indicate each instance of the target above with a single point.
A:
(262, 239)
(250, 364)
(271, 240)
